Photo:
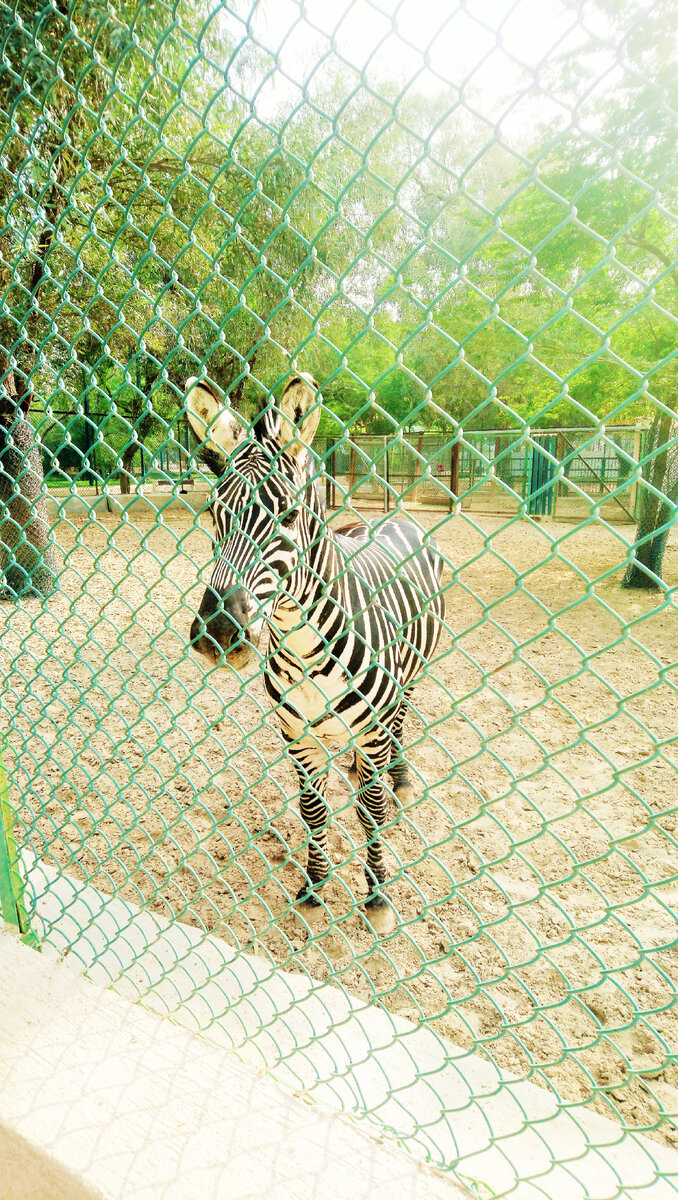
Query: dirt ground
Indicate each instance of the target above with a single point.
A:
(537, 876)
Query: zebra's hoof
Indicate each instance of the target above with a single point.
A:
(308, 910)
(380, 915)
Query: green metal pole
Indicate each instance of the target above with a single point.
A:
(12, 905)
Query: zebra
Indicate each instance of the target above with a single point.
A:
(353, 616)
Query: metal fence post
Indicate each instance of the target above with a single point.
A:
(637, 454)
(454, 475)
(12, 907)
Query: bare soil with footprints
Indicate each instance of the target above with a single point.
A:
(536, 878)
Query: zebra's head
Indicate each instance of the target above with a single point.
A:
(267, 512)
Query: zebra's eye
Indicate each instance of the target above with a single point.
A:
(289, 518)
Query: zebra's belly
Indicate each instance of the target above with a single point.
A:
(330, 705)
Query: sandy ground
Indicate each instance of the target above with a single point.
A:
(537, 876)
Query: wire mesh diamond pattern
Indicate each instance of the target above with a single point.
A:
(460, 220)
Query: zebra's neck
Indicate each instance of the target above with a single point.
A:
(316, 609)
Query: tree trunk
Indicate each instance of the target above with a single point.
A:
(655, 510)
(126, 477)
(140, 423)
(27, 559)
(662, 472)
(28, 563)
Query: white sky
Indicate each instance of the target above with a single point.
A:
(494, 49)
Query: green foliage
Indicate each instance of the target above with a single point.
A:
(185, 228)
(386, 236)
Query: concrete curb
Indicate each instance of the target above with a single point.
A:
(103, 1100)
(445, 1103)
(146, 506)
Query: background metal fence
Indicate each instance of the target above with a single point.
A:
(552, 472)
(488, 471)
(461, 220)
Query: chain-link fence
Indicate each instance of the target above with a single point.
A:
(460, 221)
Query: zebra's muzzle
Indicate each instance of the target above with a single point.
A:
(221, 628)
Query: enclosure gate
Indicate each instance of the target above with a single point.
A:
(470, 246)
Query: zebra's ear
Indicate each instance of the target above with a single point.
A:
(300, 408)
(215, 425)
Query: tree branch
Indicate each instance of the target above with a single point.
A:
(643, 244)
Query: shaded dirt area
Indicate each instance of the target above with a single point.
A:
(536, 878)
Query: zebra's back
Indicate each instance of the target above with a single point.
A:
(399, 569)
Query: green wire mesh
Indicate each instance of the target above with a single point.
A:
(461, 220)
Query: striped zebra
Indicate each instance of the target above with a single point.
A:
(353, 615)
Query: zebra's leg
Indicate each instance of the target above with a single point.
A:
(352, 773)
(399, 769)
(372, 759)
(311, 763)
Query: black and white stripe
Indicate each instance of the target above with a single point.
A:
(354, 616)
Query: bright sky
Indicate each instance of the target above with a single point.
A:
(494, 49)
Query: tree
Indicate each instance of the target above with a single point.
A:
(27, 562)
(98, 276)
(46, 113)
(622, 181)
(176, 227)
